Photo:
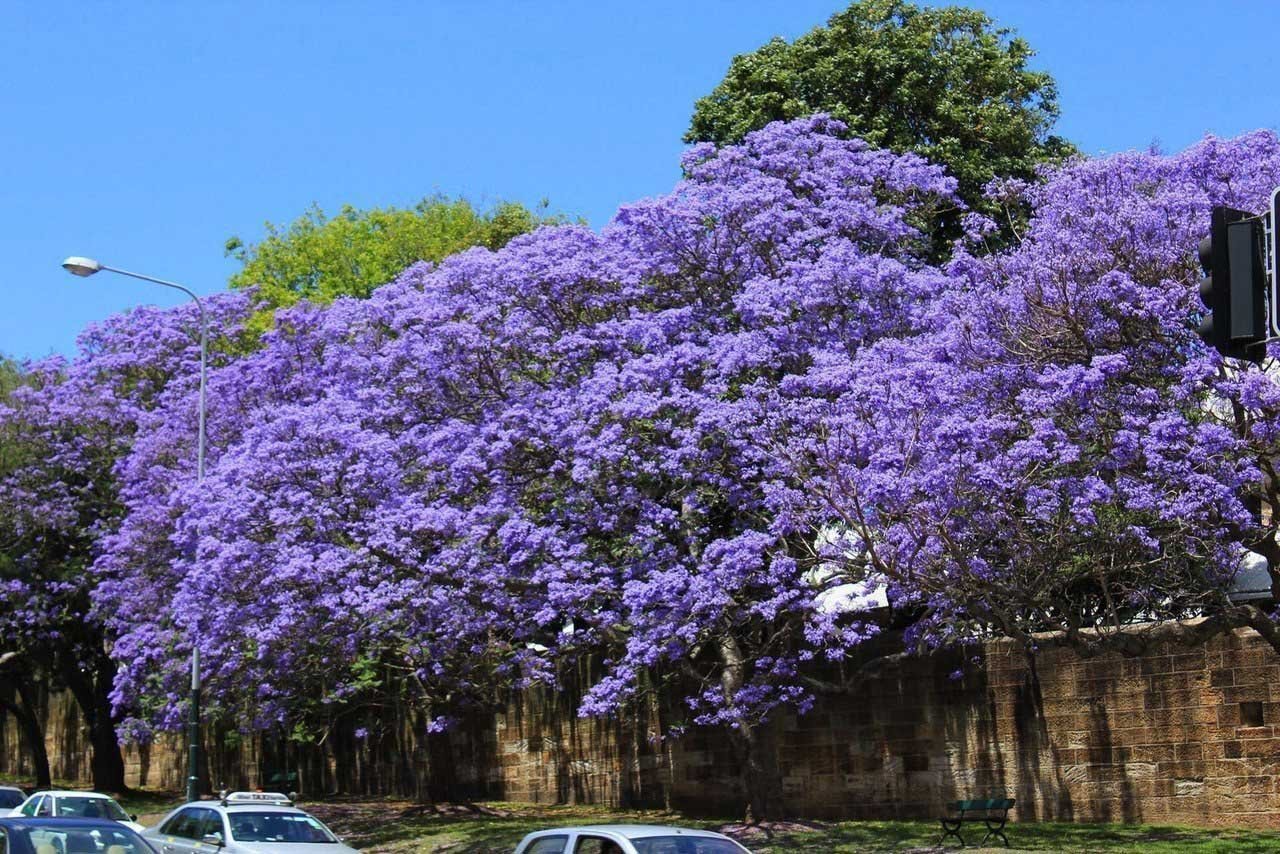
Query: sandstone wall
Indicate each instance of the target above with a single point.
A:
(1180, 736)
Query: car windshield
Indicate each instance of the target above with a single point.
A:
(106, 839)
(684, 845)
(91, 808)
(10, 798)
(277, 827)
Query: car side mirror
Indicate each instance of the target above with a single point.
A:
(212, 839)
(133, 816)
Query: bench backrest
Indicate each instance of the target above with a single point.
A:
(987, 804)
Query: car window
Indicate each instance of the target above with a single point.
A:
(684, 845)
(547, 845)
(117, 840)
(277, 827)
(596, 845)
(45, 807)
(210, 823)
(185, 824)
(10, 798)
(79, 842)
(29, 808)
(4, 841)
(82, 807)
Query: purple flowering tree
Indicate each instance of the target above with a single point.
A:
(490, 468)
(688, 454)
(794, 243)
(1056, 450)
(66, 431)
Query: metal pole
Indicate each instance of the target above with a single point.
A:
(193, 730)
(193, 722)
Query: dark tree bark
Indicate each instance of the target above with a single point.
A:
(91, 686)
(757, 749)
(24, 709)
(756, 745)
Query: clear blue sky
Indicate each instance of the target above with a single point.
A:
(146, 133)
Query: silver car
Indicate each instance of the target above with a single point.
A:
(243, 823)
(627, 839)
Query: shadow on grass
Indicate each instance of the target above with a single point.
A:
(873, 836)
(472, 828)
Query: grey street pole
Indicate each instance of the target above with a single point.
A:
(78, 266)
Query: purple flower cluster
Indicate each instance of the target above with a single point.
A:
(702, 446)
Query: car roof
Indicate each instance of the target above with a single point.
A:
(636, 831)
(240, 806)
(66, 793)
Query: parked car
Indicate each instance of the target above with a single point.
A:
(243, 823)
(71, 804)
(27, 835)
(627, 839)
(10, 797)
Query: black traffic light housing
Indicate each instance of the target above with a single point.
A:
(1233, 258)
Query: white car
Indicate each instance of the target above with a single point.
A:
(70, 804)
(627, 839)
(10, 797)
(243, 823)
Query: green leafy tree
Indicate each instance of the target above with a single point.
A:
(944, 82)
(320, 258)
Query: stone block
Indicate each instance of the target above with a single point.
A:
(1153, 753)
(1189, 661)
(1222, 678)
(1249, 693)
(1141, 770)
(1193, 751)
(1188, 787)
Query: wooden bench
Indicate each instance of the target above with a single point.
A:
(992, 812)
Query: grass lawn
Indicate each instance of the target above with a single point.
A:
(497, 827)
(402, 827)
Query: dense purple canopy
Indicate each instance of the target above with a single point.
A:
(694, 445)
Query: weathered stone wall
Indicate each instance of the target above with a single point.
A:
(1181, 735)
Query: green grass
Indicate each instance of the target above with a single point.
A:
(149, 805)
(401, 828)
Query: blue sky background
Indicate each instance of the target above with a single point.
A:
(146, 133)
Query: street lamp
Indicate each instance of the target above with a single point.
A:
(84, 267)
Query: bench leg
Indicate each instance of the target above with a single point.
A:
(951, 827)
(995, 828)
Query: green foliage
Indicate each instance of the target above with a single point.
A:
(319, 258)
(943, 82)
(11, 376)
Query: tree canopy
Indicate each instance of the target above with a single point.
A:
(319, 258)
(944, 82)
(698, 450)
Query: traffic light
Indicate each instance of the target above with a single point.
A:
(1234, 285)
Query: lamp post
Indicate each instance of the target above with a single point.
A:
(78, 266)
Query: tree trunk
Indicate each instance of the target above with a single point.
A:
(23, 708)
(756, 744)
(91, 688)
(761, 777)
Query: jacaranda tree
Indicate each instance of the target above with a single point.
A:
(1056, 450)
(66, 435)
(657, 453)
